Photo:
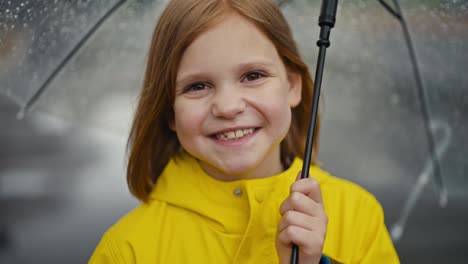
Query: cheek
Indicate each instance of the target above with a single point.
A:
(274, 105)
(282, 113)
(283, 118)
(187, 121)
(278, 112)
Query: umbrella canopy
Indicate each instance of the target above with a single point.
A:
(380, 127)
(48, 48)
(85, 61)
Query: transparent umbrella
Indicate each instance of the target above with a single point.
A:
(50, 46)
(394, 70)
(83, 61)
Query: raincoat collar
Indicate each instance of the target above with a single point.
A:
(227, 204)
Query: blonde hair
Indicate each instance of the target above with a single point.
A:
(152, 143)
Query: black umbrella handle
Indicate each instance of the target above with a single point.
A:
(326, 23)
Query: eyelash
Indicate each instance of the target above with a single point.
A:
(259, 75)
(190, 87)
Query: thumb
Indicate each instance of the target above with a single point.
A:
(298, 177)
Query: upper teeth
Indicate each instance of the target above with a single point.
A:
(235, 134)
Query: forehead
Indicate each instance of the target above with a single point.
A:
(233, 40)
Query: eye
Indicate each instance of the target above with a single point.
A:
(252, 76)
(196, 87)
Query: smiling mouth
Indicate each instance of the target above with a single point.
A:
(234, 134)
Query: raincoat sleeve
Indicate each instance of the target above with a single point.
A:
(356, 231)
(379, 247)
(107, 251)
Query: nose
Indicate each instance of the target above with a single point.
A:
(228, 102)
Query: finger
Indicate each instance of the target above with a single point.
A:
(300, 202)
(306, 240)
(294, 218)
(298, 177)
(309, 187)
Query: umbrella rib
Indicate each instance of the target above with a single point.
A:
(33, 99)
(392, 11)
(424, 99)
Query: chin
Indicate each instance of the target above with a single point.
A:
(234, 170)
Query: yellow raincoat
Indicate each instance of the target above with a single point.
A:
(194, 218)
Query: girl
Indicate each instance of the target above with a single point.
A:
(215, 151)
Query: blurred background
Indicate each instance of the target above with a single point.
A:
(70, 73)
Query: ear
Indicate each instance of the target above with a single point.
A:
(295, 88)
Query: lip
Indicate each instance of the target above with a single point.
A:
(234, 142)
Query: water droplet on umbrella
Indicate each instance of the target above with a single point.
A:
(395, 99)
(20, 114)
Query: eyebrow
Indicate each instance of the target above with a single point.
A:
(191, 77)
(255, 64)
(269, 66)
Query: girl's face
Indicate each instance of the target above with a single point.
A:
(233, 101)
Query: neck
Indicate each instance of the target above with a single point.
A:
(266, 168)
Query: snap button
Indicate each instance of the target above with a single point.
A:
(237, 192)
(259, 196)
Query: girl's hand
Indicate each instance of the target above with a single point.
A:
(303, 222)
